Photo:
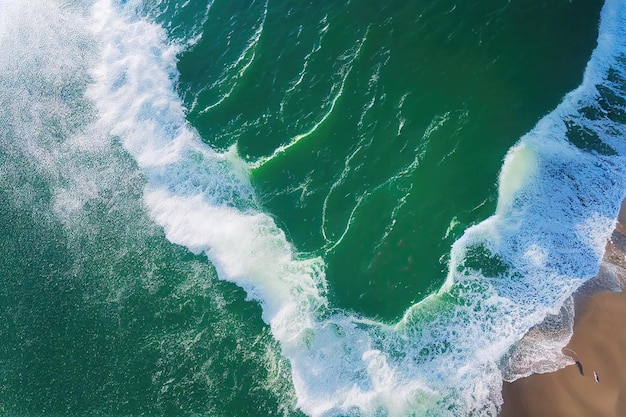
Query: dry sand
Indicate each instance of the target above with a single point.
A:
(598, 344)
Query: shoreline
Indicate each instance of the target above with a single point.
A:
(596, 384)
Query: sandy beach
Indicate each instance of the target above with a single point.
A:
(596, 385)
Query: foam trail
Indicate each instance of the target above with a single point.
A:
(295, 84)
(443, 357)
(342, 176)
(250, 49)
(403, 174)
(295, 140)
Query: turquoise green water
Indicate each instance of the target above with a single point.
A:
(248, 208)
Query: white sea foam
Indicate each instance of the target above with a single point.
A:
(556, 207)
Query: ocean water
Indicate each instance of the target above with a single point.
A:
(281, 208)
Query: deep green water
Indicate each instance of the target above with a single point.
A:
(372, 133)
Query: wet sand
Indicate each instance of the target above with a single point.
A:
(596, 385)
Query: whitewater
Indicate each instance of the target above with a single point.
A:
(448, 355)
